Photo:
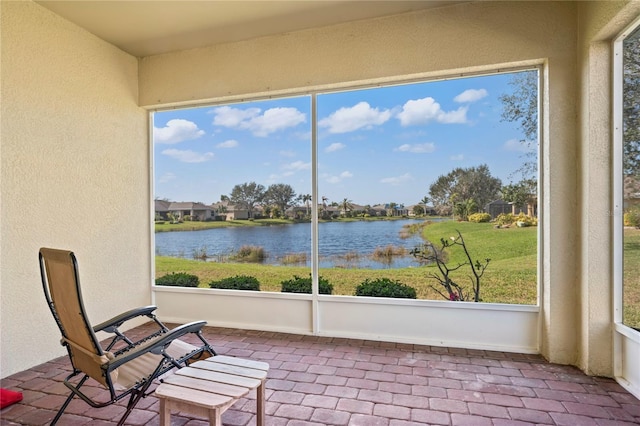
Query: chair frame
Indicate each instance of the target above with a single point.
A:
(121, 348)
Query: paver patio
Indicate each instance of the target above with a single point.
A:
(334, 381)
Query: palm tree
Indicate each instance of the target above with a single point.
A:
(323, 210)
(306, 198)
(424, 201)
(346, 205)
(392, 209)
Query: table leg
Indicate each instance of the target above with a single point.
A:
(215, 417)
(165, 413)
(260, 404)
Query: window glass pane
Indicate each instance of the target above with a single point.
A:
(408, 165)
(425, 190)
(631, 171)
(232, 193)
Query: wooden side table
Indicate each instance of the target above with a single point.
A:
(209, 387)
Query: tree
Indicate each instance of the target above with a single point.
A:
(462, 185)
(322, 211)
(346, 206)
(519, 193)
(465, 208)
(247, 194)
(418, 210)
(424, 201)
(631, 104)
(393, 207)
(280, 195)
(521, 107)
(453, 291)
(306, 198)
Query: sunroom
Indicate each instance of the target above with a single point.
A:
(77, 164)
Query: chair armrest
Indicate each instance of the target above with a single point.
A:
(156, 345)
(112, 324)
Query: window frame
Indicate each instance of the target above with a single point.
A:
(313, 93)
(618, 182)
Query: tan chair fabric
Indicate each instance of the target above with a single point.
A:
(132, 371)
(85, 350)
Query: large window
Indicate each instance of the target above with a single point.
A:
(424, 189)
(630, 138)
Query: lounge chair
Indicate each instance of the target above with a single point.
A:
(125, 367)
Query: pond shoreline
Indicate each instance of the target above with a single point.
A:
(346, 243)
(164, 226)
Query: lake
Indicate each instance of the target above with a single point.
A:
(340, 244)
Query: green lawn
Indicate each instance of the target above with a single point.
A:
(198, 226)
(510, 277)
(631, 299)
(166, 226)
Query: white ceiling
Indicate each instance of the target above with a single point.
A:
(150, 27)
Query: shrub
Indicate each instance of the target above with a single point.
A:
(479, 217)
(526, 220)
(303, 285)
(388, 252)
(505, 219)
(239, 282)
(250, 254)
(632, 217)
(294, 258)
(385, 287)
(179, 279)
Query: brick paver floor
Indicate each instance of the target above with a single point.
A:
(330, 381)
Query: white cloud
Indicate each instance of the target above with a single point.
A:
(233, 117)
(397, 180)
(287, 153)
(425, 110)
(188, 156)
(418, 148)
(337, 146)
(231, 143)
(338, 178)
(457, 157)
(177, 130)
(471, 95)
(258, 123)
(297, 165)
(167, 177)
(359, 116)
(516, 145)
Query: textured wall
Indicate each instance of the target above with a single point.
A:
(74, 175)
(601, 23)
(74, 152)
(460, 37)
(465, 38)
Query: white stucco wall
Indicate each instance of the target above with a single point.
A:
(74, 175)
(460, 38)
(74, 150)
(601, 23)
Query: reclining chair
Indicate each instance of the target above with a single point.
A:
(125, 367)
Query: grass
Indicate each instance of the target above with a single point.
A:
(510, 277)
(631, 299)
(166, 226)
(199, 226)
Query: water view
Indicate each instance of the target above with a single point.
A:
(341, 244)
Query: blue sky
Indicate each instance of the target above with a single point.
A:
(375, 146)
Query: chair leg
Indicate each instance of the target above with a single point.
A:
(67, 401)
(61, 410)
(135, 397)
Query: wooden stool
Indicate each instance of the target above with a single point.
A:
(207, 388)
